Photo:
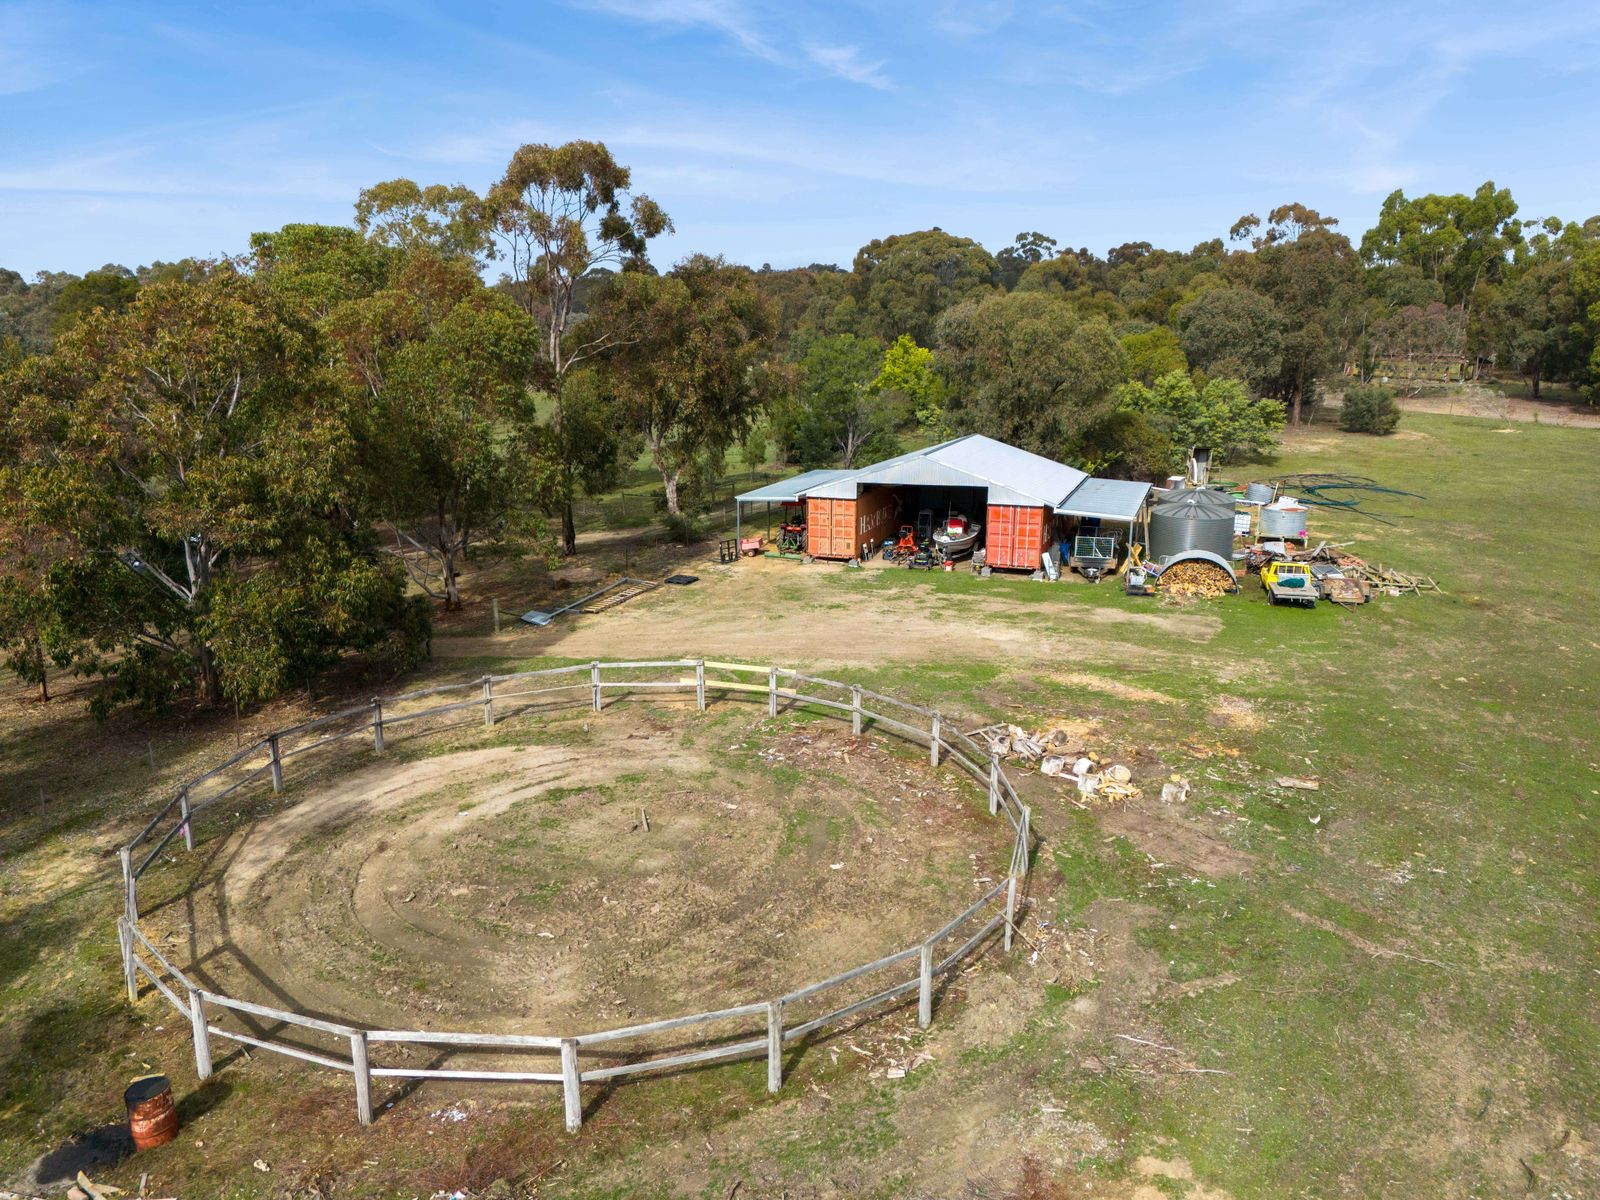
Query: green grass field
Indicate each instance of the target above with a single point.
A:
(1397, 997)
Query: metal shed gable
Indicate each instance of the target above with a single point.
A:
(1106, 499)
(1011, 475)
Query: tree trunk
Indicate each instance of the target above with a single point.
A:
(1536, 385)
(210, 678)
(452, 588)
(1294, 406)
(569, 530)
(670, 480)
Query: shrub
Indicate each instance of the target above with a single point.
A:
(1369, 409)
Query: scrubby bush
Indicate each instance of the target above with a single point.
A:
(1369, 408)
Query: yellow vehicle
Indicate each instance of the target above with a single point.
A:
(1289, 583)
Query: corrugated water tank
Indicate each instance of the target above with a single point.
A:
(1191, 519)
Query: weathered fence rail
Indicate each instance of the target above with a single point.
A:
(758, 1028)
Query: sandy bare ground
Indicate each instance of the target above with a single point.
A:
(515, 889)
(1485, 402)
(789, 612)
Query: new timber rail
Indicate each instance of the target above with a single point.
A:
(759, 1028)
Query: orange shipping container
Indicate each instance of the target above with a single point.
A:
(1016, 536)
(840, 528)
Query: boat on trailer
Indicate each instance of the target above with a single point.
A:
(957, 537)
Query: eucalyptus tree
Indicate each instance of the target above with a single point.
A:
(557, 215)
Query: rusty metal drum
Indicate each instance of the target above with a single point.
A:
(152, 1116)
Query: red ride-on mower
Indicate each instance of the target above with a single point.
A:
(792, 531)
(905, 546)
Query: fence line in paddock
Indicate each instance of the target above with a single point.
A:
(768, 1026)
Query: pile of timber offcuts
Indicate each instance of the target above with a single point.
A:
(1366, 577)
(1194, 579)
(1058, 754)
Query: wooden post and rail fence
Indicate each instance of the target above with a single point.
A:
(586, 1058)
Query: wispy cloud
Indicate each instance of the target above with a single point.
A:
(758, 32)
(962, 19)
(847, 62)
(727, 17)
(33, 50)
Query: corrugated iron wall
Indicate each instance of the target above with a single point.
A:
(1016, 536)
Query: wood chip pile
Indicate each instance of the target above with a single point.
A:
(1194, 579)
(1059, 755)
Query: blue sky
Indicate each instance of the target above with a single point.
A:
(786, 132)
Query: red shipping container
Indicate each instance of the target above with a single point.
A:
(1016, 536)
(840, 528)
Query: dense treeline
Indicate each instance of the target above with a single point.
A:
(218, 477)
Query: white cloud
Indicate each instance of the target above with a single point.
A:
(964, 19)
(727, 17)
(847, 63)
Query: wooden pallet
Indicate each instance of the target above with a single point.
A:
(620, 595)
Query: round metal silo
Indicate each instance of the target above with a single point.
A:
(1258, 493)
(1191, 519)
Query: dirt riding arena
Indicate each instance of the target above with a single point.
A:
(600, 870)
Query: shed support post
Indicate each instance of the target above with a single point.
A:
(488, 700)
(570, 1081)
(772, 691)
(363, 1074)
(933, 742)
(377, 723)
(594, 683)
(202, 1036)
(130, 975)
(855, 709)
(994, 784)
(277, 762)
(925, 986)
(700, 684)
(774, 1045)
(184, 816)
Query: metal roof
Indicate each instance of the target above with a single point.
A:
(791, 489)
(1011, 475)
(1107, 499)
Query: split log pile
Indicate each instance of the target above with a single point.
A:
(1194, 579)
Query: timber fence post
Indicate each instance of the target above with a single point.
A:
(774, 1045)
(202, 1036)
(129, 975)
(594, 683)
(700, 684)
(772, 691)
(130, 892)
(377, 723)
(925, 986)
(363, 1074)
(933, 742)
(277, 762)
(1011, 909)
(184, 817)
(855, 709)
(570, 1081)
(488, 700)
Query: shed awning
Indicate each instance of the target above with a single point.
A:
(790, 490)
(1107, 499)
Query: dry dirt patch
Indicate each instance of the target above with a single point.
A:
(518, 889)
